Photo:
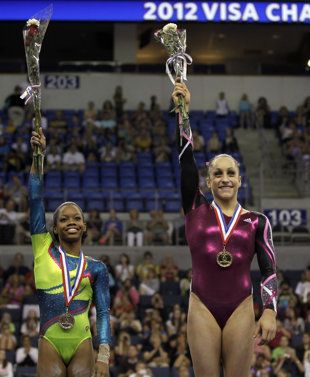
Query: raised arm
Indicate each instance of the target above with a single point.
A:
(35, 189)
(189, 171)
(269, 286)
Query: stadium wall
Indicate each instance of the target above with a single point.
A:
(279, 90)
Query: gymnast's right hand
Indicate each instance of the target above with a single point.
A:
(38, 139)
(180, 89)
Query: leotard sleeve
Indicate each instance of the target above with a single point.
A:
(267, 263)
(101, 299)
(189, 172)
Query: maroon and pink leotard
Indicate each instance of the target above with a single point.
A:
(220, 289)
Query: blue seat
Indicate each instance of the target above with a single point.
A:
(95, 200)
(146, 183)
(109, 183)
(128, 182)
(116, 202)
(134, 201)
(172, 206)
(53, 180)
(76, 197)
(54, 199)
(145, 172)
(165, 183)
(170, 288)
(72, 180)
(161, 371)
(91, 183)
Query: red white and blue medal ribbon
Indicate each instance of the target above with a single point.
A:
(71, 291)
(226, 230)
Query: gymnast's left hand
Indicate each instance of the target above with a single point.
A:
(101, 369)
(266, 327)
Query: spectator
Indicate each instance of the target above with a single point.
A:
(245, 112)
(157, 229)
(214, 144)
(31, 325)
(128, 363)
(6, 368)
(14, 161)
(147, 265)
(130, 324)
(73, 159)
(119, 101)
(141, 370)
(6, 319)
(162, 151)
(185, 283)
(262, 114)
(124, 269)
(126, 298)
(125, 152)
(7, 340)
(90, 113)
(176, 320)
(27, 356)
(183, 371)
(112, 230)
(13, 291)
(17, 267)
(53, 160)
(306, 360)
(230, 144)
(149, 285)
(169, 271)
(303, 287)
(58, 124)
(222, 108)
(134, 229)
(304, 346)
(8, 221)
(143, 140)
(94, 226)
(155, 355)
(198, 141)
(108, 153)
(17, 192)
(14, 106)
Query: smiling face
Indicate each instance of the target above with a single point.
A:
(224, 178)
(69, 225)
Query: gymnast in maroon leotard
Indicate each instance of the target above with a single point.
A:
(223, 239)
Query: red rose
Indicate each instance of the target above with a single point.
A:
(33, 30)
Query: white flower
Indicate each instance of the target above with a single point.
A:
(33, 21)
(170, 27)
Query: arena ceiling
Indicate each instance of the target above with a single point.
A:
(235, 45)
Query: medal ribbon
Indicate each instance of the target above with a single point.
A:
(70, 291)
(226, 230)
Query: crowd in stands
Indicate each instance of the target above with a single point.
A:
(129, 156)
(148, 321)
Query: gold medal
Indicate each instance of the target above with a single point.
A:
(66, 321)
(224, 258)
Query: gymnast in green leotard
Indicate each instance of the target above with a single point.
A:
(67, 283)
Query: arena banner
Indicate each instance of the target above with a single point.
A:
(139, 11)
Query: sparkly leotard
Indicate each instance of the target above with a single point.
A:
(220, 289)
(48, 279)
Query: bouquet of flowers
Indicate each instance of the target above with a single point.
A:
(33, 34)
(174, 40)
